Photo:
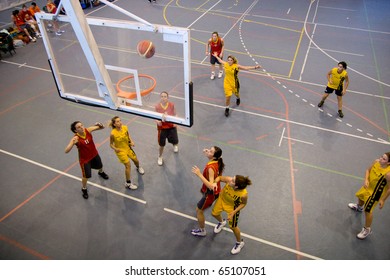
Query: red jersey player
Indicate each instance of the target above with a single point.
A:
(216, 45)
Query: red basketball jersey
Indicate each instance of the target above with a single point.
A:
(169, 110)
(216, 47)
(213, 164)
(86, 147)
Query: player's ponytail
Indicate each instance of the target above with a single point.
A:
(218, 156)
(113, 122)
(242, 182)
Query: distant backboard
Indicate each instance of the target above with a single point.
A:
(95, 61)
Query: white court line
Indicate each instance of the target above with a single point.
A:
(354, 28)
(348, 53)
(307, 52)
(323, 24)
(298, 140)
(335, 8)
(334, 59)
(296, 123)
(282, 136)
(71, 176)
(300, 21)
(242, 16)
(311, 41)
(315, 12)
(189, 26)
(200, 63)
(251, 113)
(249, 236)
(238, 20)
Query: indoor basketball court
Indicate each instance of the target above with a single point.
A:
(305, 162)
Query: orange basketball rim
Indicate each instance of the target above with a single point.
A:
(133, 94)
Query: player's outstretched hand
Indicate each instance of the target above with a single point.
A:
(100, 125)
(195, 170)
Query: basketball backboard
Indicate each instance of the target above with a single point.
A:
(95, 61)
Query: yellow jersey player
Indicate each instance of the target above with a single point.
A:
(374, 191)
(232, 199)
(121, 143)
(338, 82)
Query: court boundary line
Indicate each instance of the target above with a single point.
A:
(309, 46)
(302, 21)
(262, 115)
(323, 24)
(201, 64)
(347, 53)
(189, 26)
(289, 143)
(72, 176)
(254, 238)
(336, 8)
(251, 150)
(297, 123)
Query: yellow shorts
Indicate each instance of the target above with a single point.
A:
(366, 196)
(230, 90)
(124, 156)
(220, 206)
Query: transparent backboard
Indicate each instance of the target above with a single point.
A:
(95, 61)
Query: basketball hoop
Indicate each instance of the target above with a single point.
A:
(147, 85)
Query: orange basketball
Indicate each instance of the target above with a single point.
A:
(146, 49)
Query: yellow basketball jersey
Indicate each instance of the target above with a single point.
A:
(121, 137)
(377, 177)
(231, 77)
(337, 79)
(230, 196)
(377, 187)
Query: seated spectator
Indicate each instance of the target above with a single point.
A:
(34, 9)
(22, 25)
(52, 9)
(28, 18)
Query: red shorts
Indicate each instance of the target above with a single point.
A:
(206, 201)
